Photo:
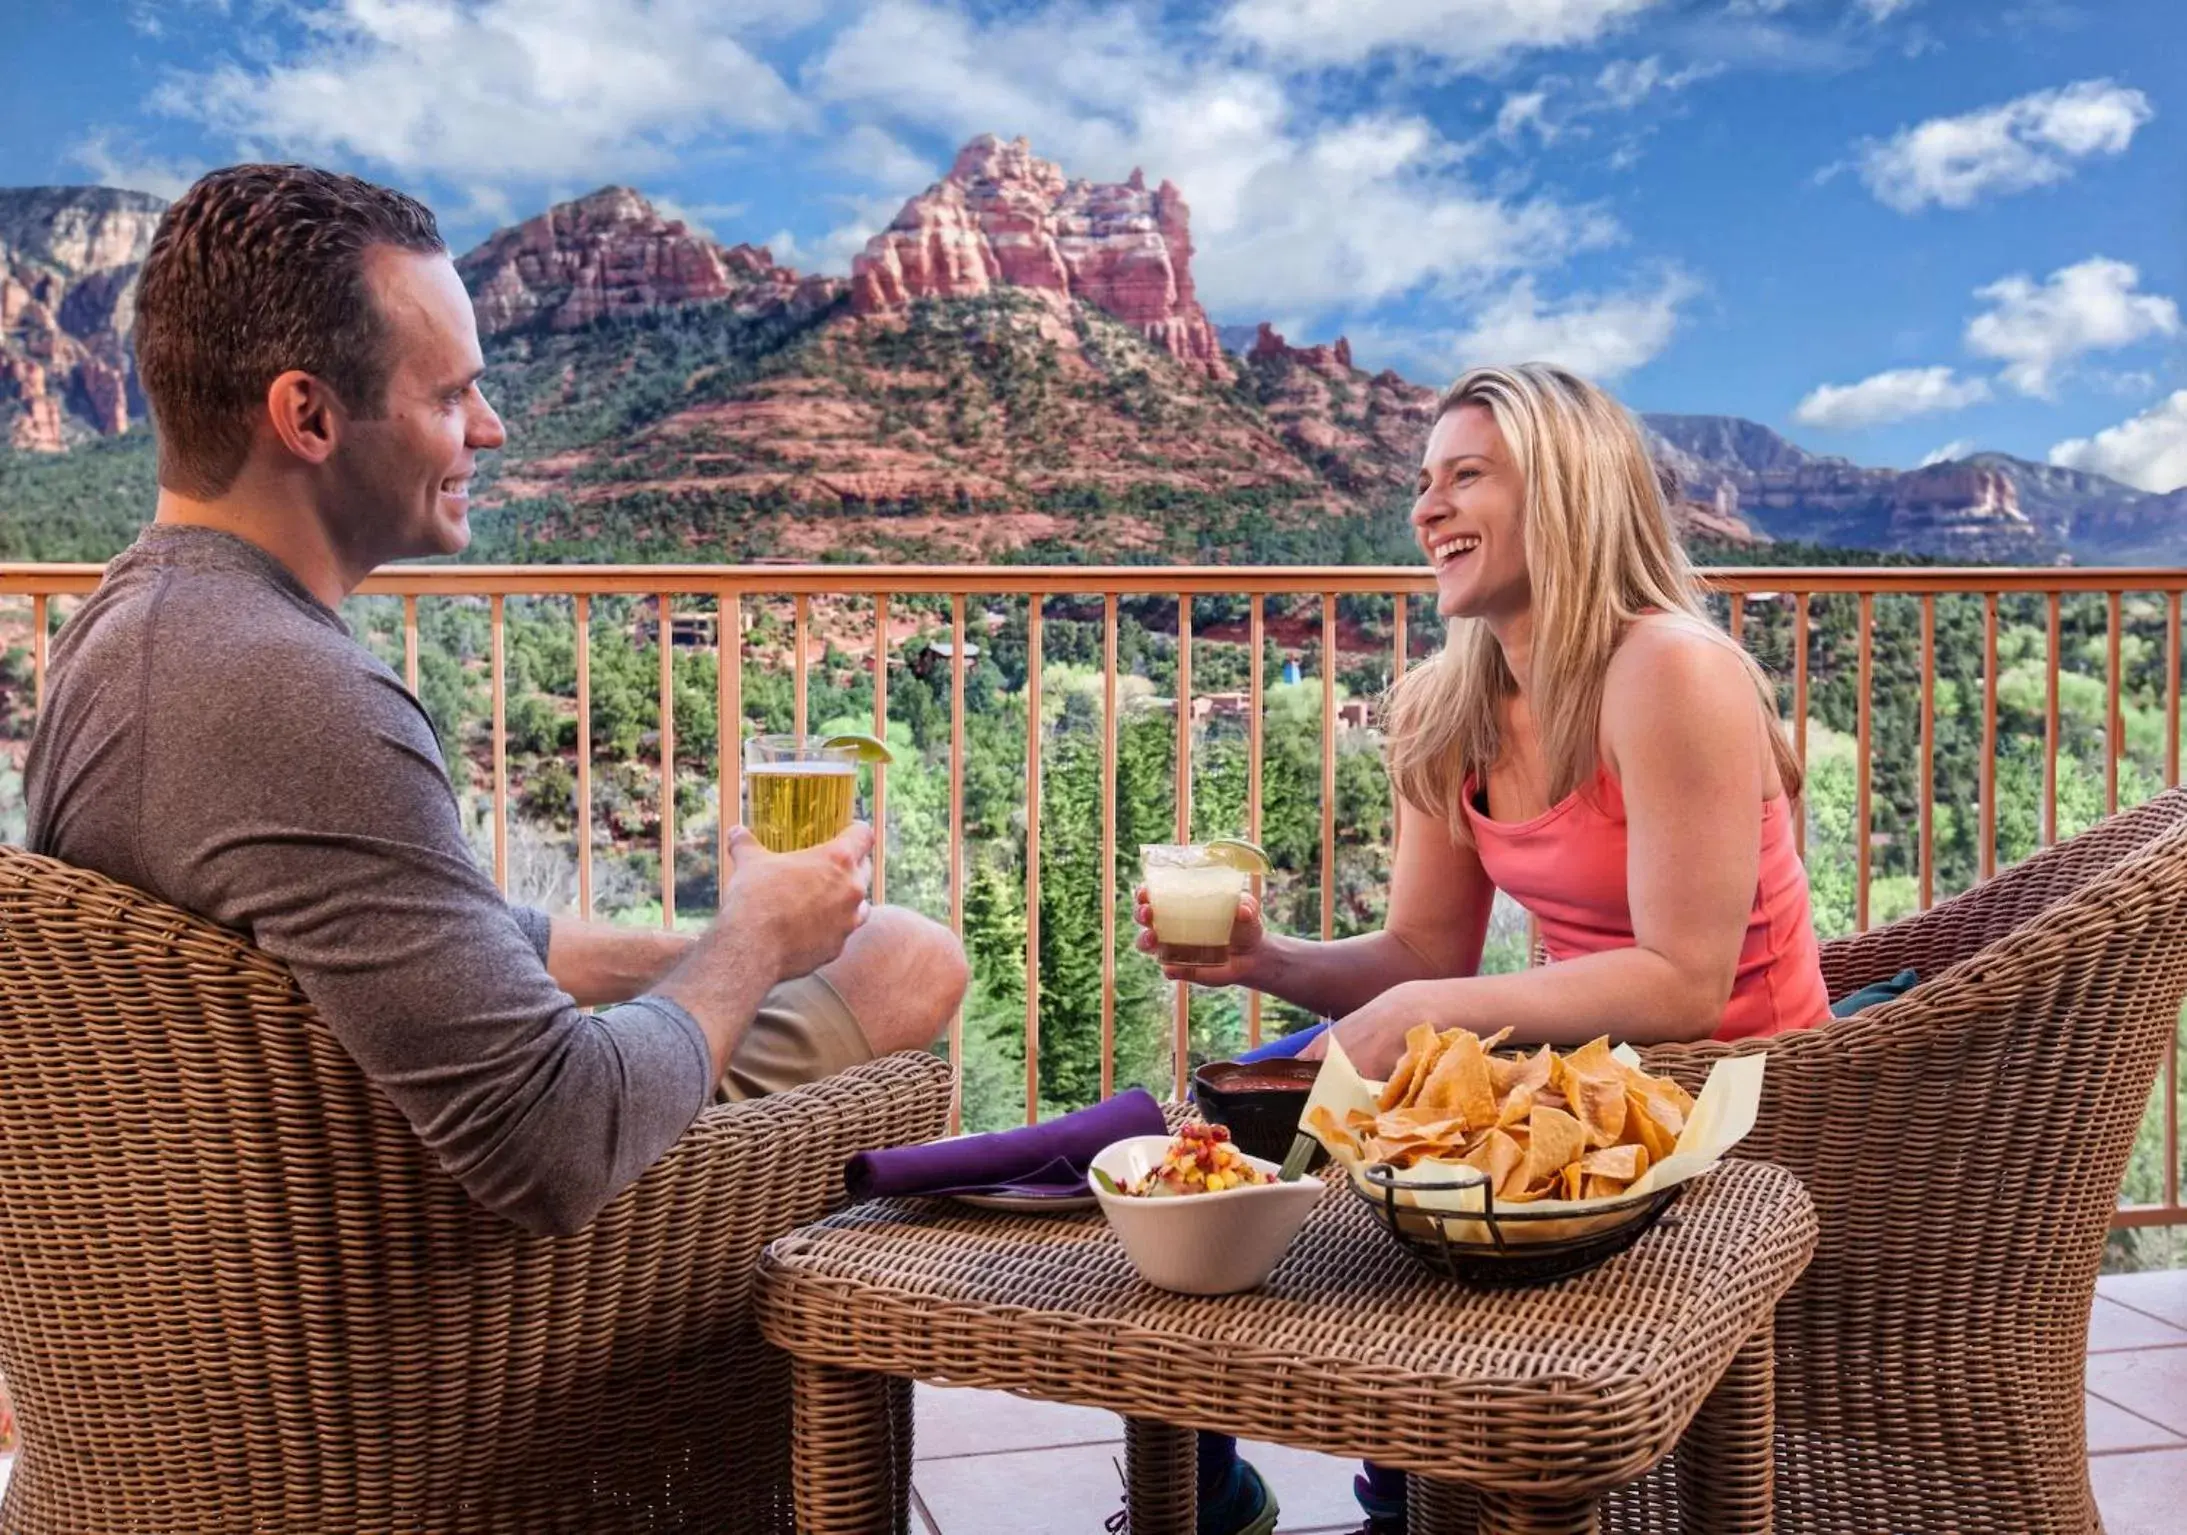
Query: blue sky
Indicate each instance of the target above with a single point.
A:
(1883, 227)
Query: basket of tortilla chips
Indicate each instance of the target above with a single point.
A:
(1518, 1168)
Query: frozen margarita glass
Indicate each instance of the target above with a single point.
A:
(1194, 890)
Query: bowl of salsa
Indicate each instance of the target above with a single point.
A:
(1260, 1102)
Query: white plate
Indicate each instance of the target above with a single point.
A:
(1028, 1204)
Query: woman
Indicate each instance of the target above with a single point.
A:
(1588, 743)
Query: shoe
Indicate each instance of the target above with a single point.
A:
(1245, 1507)
(1248, 1508)
(1385, 1515)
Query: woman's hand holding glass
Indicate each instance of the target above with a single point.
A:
(1246, 944)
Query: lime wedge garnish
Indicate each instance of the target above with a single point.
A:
(1237, 853)
(869, 748)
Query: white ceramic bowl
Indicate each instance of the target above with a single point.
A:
(1201, 1244)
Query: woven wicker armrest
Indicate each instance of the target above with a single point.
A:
(1932, 941)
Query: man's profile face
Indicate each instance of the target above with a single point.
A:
(405, 473)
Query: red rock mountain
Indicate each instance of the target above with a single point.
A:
(1004, 217)
(611, 255)
(1968, 510)
(68, 266)
(1070, 364)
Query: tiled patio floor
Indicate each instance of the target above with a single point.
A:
(990, 1464)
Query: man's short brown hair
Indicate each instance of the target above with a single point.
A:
(256, 270)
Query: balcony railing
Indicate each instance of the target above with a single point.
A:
(1789, 617)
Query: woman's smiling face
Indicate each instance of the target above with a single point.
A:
(1468, 516)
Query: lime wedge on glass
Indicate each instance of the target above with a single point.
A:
(868, 748)
(1237, 853)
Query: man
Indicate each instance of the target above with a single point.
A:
(213, 735)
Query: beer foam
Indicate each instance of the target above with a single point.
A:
(800, 769)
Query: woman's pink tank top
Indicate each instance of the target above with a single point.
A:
(1567, 867)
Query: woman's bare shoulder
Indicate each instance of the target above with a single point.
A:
(1673, 651)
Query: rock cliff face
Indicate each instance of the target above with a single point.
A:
(1365, 430)
(2099, 519)
(1966, 511)
(1005, 217)
(68, 267)
(611, 255)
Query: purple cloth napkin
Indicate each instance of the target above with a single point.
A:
(1048, 1159)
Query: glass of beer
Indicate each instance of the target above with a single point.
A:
(1194, 892)
(800, 792)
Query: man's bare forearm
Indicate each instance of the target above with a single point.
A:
(599, 963)
(718, 978)
(721, 983)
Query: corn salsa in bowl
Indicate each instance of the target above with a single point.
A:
(1196, 1215)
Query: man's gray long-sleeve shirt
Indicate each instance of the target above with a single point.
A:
(213, 735)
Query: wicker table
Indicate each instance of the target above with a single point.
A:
(1520, 1408)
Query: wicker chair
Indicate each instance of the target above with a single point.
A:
(236, 1293)
(1964, 1146)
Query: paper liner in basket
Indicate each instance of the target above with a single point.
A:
(1722, 1115)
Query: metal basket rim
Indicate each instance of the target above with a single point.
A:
(1385, 1176)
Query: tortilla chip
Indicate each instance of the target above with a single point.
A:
(1644, 1128)
(1459, 1084)
(1530, 1071)
(1625, 1162)
(1553, 1140)
(1424, 1122)
(1517, 1106)
(1419, 1041)
(1571, 1179)
(1666, 1111)
(1599, 1187)
(1664, 1088)
(1594, 1059)
(1499, 1156)
(1599, 1104)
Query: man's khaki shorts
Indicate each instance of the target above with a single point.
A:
(804, 1031)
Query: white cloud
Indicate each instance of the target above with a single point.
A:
(1953, 451)
(2033, 141)
(878, 156)
(1599, 335)
(1467, 33)
(1891, 396)
(112, 164)
(1289, 211)
(2035, 328)
(505, 92)
(864, 217)
(1628, 82)
(2148, 451)
(1523, 109)
(1883, 10)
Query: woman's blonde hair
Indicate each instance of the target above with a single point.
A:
(1600, 553)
